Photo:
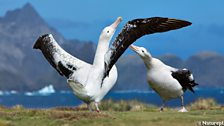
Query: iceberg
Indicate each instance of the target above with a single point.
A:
(8, 92)
(47, 90)
(13, 92)
(1, 93)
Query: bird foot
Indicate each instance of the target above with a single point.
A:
(98, 111)
(161, 110)
(183, 110)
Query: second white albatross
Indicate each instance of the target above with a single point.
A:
(165, 80)
(91, 82)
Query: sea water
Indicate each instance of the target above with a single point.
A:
(67, 98)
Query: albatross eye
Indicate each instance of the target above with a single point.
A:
(108, 31)
(143, 51)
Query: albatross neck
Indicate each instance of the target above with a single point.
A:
(147, 61)
(101, 50)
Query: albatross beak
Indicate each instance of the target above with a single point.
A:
(134, 48)
(116, 23)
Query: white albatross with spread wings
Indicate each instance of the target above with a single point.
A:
(91, 82)
(165, 80)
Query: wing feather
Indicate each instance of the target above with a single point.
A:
(63, 62)
(135, 29)
(185, 78)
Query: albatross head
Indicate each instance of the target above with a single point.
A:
(109, 31)
(141, 51)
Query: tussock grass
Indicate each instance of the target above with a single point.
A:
(204, 104)
(120, 113)
(134, 105)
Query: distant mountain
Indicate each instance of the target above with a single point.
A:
(22, 68)
(208, 68)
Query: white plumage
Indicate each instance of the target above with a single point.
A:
(91, 82)
(84, 79)
(165, 80)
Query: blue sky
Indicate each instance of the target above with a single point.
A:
(84, 20)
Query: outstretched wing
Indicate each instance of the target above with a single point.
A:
(62, 61)
(135, 29)
(185, 78)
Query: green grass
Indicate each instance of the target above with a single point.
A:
(119, 113)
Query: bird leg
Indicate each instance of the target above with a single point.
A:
(182, 104)
(89, 107)
(163, 105)
(97, 107)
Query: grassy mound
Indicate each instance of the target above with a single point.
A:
(204, 104)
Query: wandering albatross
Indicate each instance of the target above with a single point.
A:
(167, 81)
(91, 82)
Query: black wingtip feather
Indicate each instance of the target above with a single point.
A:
(191, 89)
(195, 84)
(39, 41)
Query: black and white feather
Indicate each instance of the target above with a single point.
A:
(185, 78)
(135, 29)
(63, 62)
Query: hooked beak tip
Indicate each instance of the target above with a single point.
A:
(134, 48)
(116, 23)
(119, 19)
